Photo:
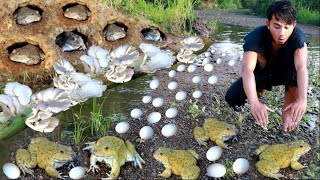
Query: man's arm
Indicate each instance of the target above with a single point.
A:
(258, 110)
(299, 106)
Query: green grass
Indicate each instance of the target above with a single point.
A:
(173, 15)
(307, 16)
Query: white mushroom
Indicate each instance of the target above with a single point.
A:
(20, 91)
(149, 49)
(186, 56)
(42, 121)
(63, 67)
(193, 43)
(93, 88)
(52, 99)
(123, 55)
(7, 105)
(119, 74)
(100, 54)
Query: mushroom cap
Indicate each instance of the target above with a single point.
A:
(149, 49)
(119, 74)
(51, 99)
(20, 91)
(63, 67)
(193, 43)
(123, 55)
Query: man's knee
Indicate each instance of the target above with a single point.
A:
(235, 95)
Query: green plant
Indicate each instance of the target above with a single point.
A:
(229, 4)
(313, 172)
(194, 109)
(78, 130)
(229, 171)
(97, 118)
(25, 76)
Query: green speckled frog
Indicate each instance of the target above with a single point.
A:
(178, 162)
(46, 154)
(275, 157)
(214, 130)
(114, 152)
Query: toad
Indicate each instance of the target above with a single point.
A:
(114, 32)
(78, 12)
(215, 130)
(28, 54)
(26, 15)
(46, 154)
(115, 152)
(178, 162)
(278, 156)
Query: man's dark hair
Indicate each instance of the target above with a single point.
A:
(282, 10)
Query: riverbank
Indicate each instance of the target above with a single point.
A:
(241, 18)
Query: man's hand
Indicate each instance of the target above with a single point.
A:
(298, 108)
(260, 113)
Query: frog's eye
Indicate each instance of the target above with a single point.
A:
(61, 151)
(301, 146)
(106, 148)
(161, 154)
(228, 129)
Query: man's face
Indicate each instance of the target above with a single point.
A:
(280, 30)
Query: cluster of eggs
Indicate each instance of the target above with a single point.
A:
(170, 129)
(217, 170)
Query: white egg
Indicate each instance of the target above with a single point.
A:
(154, 117)
(232, 62)
(208, 67)
(213, 79)
(172, 73)
(172, 85)
(158, 102)
(207, 54)
(171, 112)
(241, 166)
(11, 170)
(136, 113)
(216, 170)
(223, 54)
(197, 94)
(191, 68)
(181, 67)
(214, 153)
(219, 61)
(213, 51)
(206, 60)
(181, 95)
(146, 99)
(122, 127)
(154, 84)
(196, 79)
(169, 130)
(146, 132)
(77, 172)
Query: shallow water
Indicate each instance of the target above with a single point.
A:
(122, 98)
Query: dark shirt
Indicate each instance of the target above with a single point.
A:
(282, 65)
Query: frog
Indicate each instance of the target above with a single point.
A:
(78, 12)
(114, 32)
(215, 130)
(70, 41)
(28, 54)
(26, 15)
(152, 35)
(279, 156)
(179, 162)
(113, 151)
(46, 154)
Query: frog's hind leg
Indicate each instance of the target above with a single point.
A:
(192, 172)
(269, 169)
(51, 171)
(200, 135)
(133, 155)
(25, 161)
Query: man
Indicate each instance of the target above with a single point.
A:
(274, 54)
